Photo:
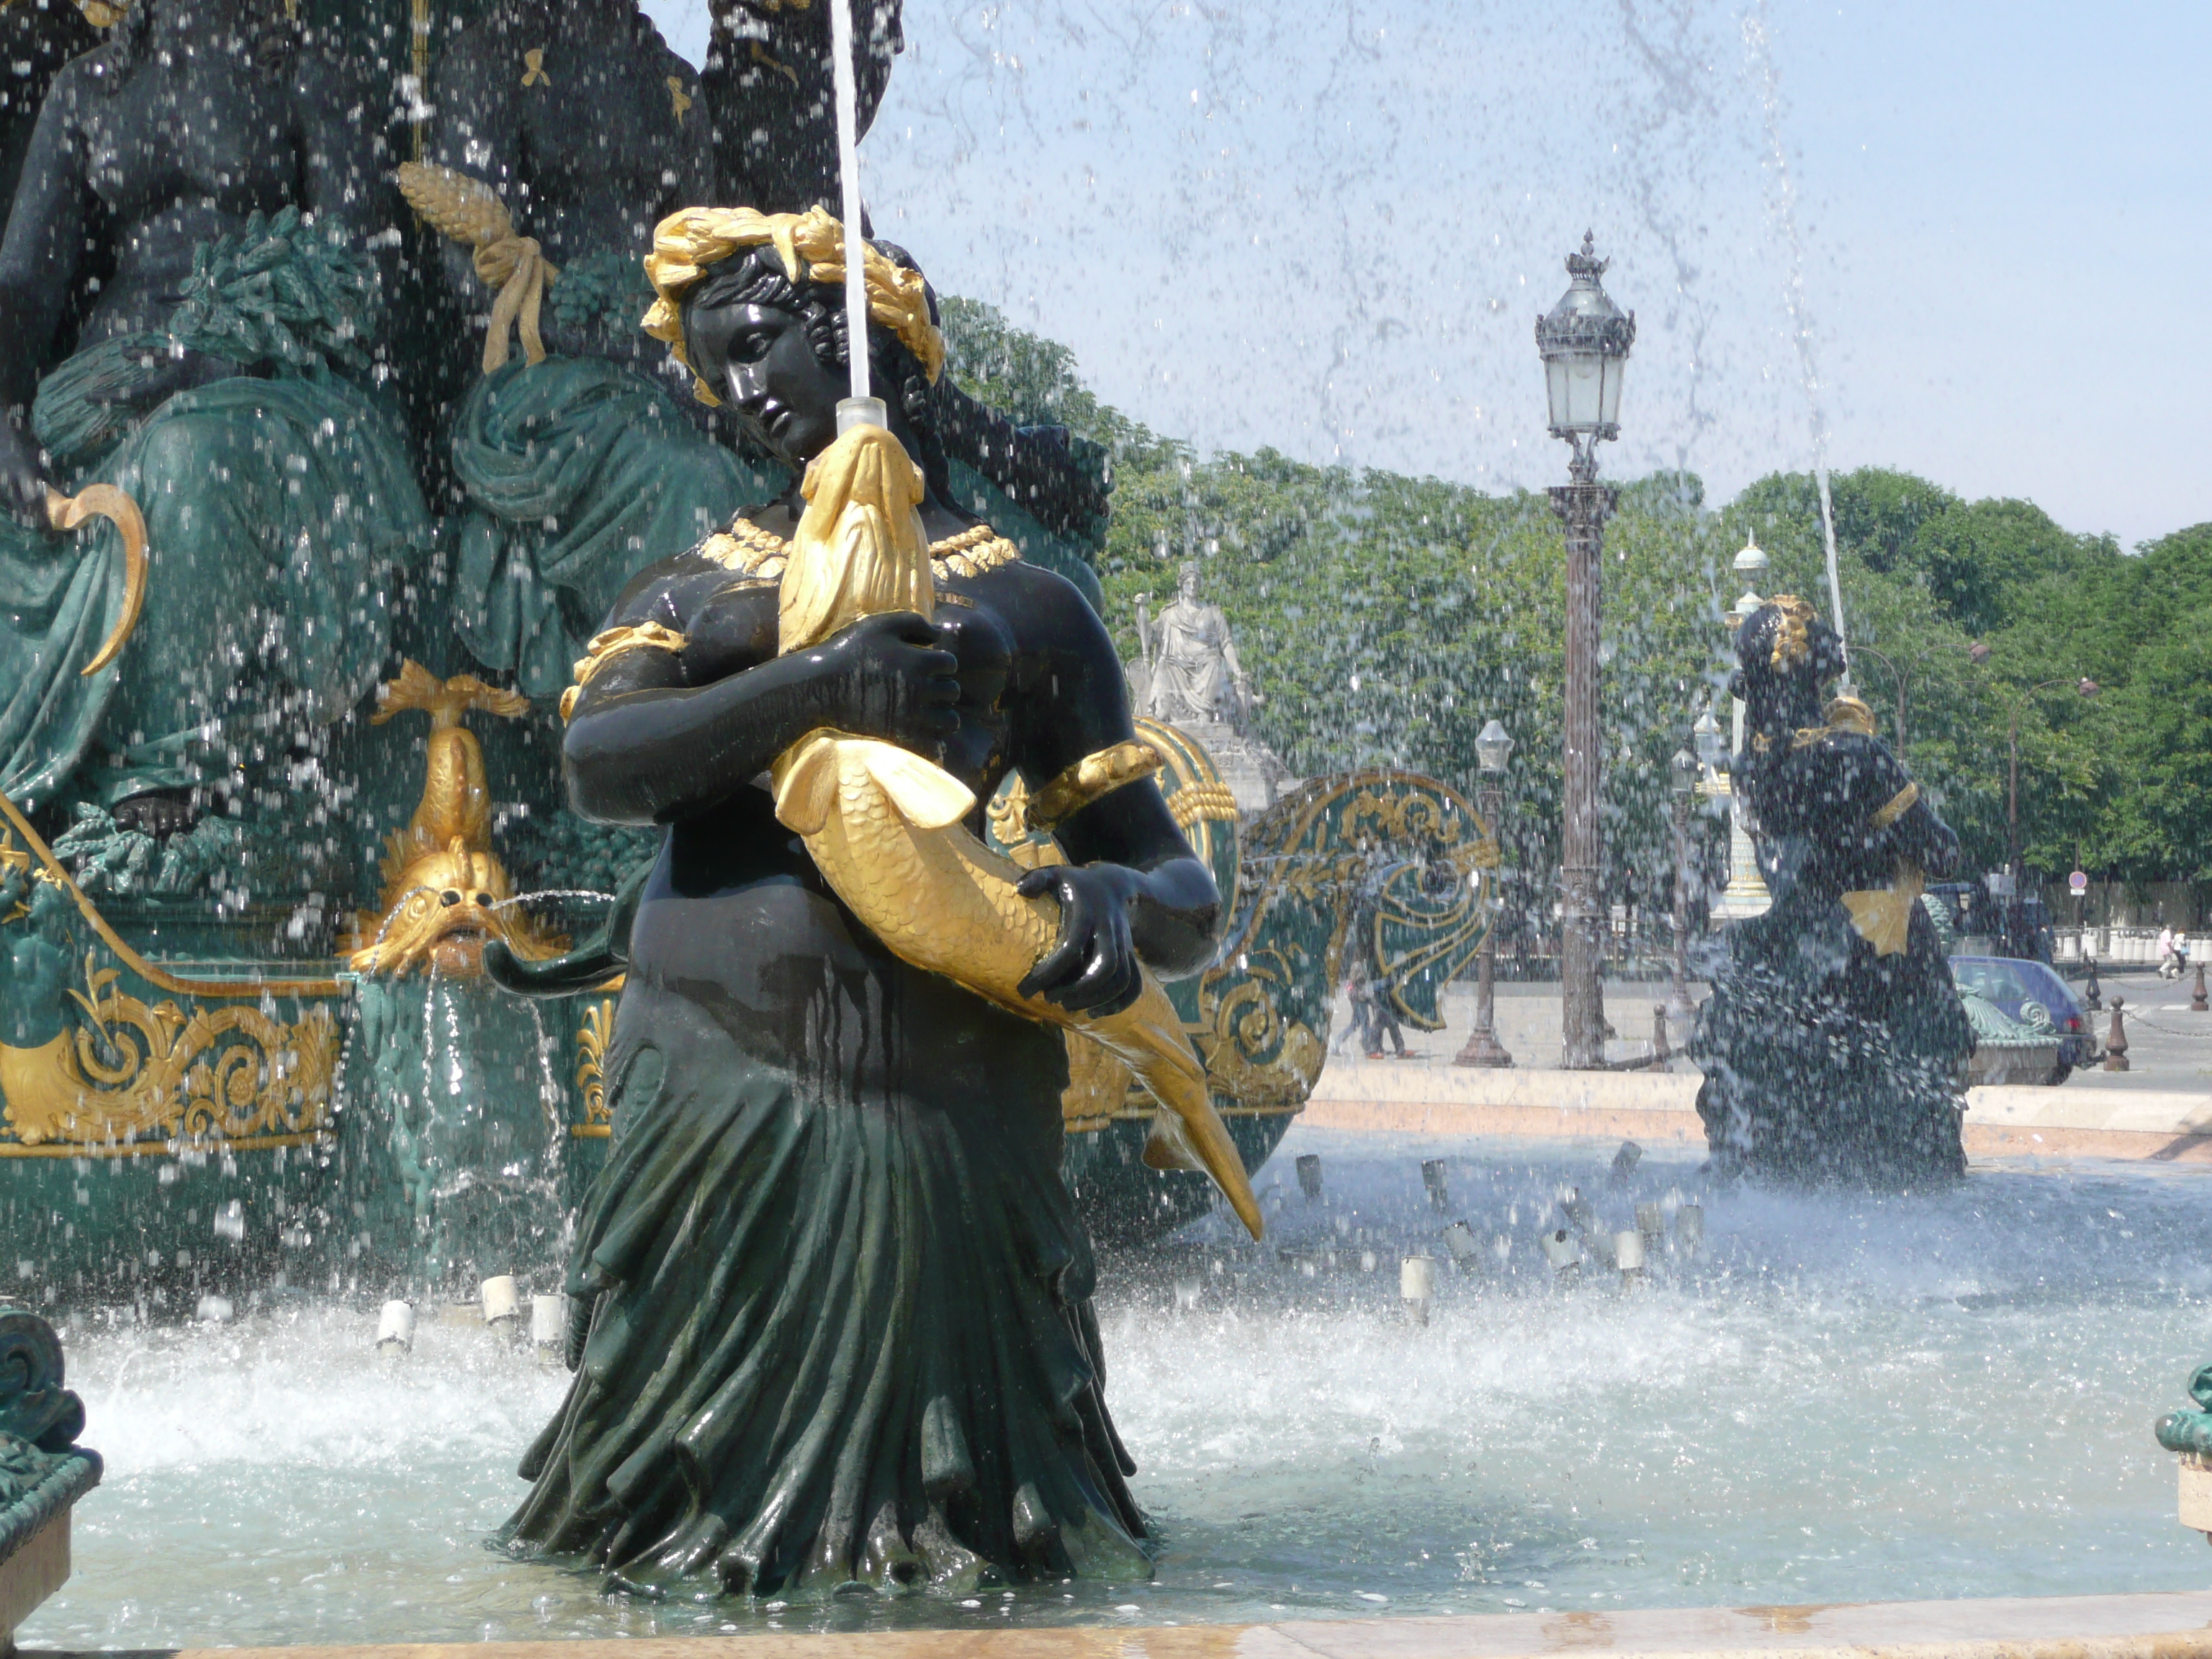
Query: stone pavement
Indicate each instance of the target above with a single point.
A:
(2173, 1624)
(2161, 1109)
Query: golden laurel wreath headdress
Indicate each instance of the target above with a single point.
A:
(812, 247)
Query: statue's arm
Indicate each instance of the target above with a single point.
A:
(39, 263)
(38, 256)
(476, 128)
(1132, 890)
(658, 735)
(1228, 645)
(1925, 839)
(345, 159)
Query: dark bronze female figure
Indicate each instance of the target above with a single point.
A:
(1833, 1043)
(196, 204)
(579, 470)
(835, 1300)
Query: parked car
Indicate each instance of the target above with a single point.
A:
(2031, 994)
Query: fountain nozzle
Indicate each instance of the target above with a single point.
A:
(1416, 1285)
(861, 411)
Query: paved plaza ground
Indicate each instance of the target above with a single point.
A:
(2161, 1107)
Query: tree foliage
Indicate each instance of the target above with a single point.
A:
(1384, 619)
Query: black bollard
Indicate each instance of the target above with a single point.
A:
(1436, 1178)
(1310, 1176)
(2116, 1044)
(2091, 994)
(1662, 1055)
(2197, 1002)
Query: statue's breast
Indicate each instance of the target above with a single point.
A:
(204, 140)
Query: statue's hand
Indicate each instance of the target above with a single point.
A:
(1092, 968)
(886, 677)
(23, 480)
(164, 373)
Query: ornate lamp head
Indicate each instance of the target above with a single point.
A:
(1584, 342)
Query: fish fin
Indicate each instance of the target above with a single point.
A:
(1167, 1146)
(927, 795)
(806, 784)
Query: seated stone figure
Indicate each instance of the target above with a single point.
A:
(1833, 1043)
(576, 465)
(831, 1299)
(199, 189)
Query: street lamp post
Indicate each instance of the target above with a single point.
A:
(1976, 651)
(1685, 769)
(1584, 342)
(1491, 750)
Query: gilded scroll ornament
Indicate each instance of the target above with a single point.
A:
(122, 1071)
(593, 1037)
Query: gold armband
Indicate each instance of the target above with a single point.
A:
(610, 643)
(1088, 780)
(1897, 806)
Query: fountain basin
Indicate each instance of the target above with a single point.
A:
(1850, 1399)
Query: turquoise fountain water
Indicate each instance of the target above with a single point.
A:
(1850, 1398)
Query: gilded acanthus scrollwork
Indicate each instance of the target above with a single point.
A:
(120, 1070)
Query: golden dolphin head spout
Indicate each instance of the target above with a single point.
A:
(445, 890)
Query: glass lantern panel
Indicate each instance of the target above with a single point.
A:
(1610, 399)
(1585, 391)
(1555, 389)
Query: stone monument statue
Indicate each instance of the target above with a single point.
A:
(1192, 678)
(831, 1316)
(1833, 1043)
(1194, 675)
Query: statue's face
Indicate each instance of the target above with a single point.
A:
(759, 361)
(1186, 583)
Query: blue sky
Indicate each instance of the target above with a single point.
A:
(1329, 226)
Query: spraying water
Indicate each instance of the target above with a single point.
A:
(1761, 50)
(848, 172)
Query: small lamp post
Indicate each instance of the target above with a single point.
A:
(1584, 341)
(1492, 748)
(1706, 734)
(1685, 769)
(1745, 894)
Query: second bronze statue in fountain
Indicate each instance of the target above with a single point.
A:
(835, 1301)
(1833, 1043)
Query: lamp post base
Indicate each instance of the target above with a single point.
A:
(1483, 1049)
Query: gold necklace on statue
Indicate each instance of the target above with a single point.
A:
(750, 550)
